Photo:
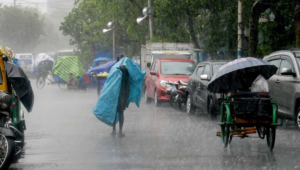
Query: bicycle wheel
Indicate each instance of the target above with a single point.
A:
(271, 133)
(63, 85)
(40, 82)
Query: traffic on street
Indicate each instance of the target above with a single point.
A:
(149, 84)
(63, 134)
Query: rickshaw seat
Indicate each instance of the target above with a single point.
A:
(250, 103)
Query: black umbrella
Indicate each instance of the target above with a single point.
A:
(21, 84)
(239, 75)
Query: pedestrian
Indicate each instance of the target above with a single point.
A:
(123, 99)
(72, 80)
(123, 85)
(81, 82)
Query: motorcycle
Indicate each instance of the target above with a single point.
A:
(177, 93)
(172, 92)
(15, 89)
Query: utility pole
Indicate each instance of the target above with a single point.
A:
(114, 51)
(15, 1)
(150, 19)
(240, 29)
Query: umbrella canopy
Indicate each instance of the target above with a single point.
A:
(240, 74)
(18, 79)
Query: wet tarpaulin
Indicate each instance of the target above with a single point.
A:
(106, 107)
(39, 58)
(21, 84)
(68, 64)
(240, 74)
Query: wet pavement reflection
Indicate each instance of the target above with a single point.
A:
(62, 133)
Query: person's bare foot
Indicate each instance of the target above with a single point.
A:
(113, 133)
(121, 134)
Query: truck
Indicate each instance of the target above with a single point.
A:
(152, 51)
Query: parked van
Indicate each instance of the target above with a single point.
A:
(26, 62)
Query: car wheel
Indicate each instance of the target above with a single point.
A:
(212, 110)
(156, 100)
(297, 120)
(147, 99)
(190, 108)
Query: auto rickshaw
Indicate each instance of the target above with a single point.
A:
(15, 89)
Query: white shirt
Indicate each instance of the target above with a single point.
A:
(260, 84)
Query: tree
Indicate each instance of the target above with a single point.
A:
(21, 28)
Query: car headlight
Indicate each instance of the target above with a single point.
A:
(163, 83)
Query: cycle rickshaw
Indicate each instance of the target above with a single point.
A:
(244, 113)
(42, 67)
(63, 66)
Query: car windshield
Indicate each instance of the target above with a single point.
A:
(298, 60)
(216, 67)
(177, 68)
(25, 61)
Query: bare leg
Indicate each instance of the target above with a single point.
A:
(114, 126)
(121, 117)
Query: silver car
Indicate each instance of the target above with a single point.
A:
(285, 84)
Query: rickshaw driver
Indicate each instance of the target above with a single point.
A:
(44, 68)
(72, 82)
(260, 84)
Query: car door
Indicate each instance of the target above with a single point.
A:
(273, 86)
(286, 88)
(149, 82)
(203, 86)
(196, 85)
(154, 79)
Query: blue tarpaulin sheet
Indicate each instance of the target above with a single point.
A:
(103, 68)
(106, 107)
(100, 59)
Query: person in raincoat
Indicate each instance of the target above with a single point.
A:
(81, 82)
(123, 98)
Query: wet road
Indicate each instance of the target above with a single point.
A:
(62, 133)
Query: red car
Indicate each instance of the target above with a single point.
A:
(163, 70)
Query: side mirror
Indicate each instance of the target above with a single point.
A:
(204, 77)
(288, 72)
(153, 73)
(148, 65)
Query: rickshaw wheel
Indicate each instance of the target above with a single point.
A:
(63, 85)
(40, 82)
(225, 135)
(271, 134)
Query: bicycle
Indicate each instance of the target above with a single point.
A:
(41, 80)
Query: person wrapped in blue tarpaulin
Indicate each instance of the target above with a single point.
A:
(123, 85)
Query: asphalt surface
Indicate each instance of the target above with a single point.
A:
(63, 134)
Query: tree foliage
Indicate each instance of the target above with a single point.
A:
(20, 28)
(209, 24)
